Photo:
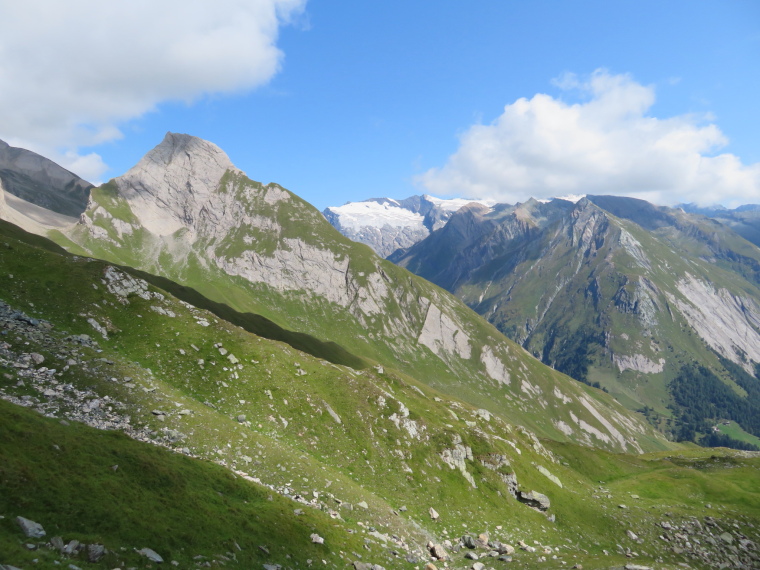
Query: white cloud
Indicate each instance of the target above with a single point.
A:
(71, 72)
(544, 147)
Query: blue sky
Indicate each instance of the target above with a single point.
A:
(487, 98)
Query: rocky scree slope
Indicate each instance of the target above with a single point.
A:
(387, 225)
(40, 181)
(186, 213)
(382, 469)
(613, 291)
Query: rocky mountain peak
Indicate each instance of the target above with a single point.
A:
(172, 183)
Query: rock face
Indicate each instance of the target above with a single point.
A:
(387, 225)
(603, 287)
(175, 185)
(40, 181)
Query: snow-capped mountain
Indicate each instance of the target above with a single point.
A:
(386, 224)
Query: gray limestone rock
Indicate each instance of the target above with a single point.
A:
(95, 552)
(438, 552)
(151, 555)
(534, 499)
(30, 528)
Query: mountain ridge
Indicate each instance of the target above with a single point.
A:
(593, 288)
(31, 177)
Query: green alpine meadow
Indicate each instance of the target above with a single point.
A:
(200, 371)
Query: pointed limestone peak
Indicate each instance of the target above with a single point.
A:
(171, 184)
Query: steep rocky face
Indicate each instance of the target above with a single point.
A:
(609, 290)
(175, 185)
(388, 225)
(41, 181)
(185, 212)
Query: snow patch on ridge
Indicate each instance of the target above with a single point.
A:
(356, 215)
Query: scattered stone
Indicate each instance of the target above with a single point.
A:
(71, 547)
(31, 529)
(434, 514)
(478, 566)
(316, 539)
(506, 549)
(631, 535)
(437, 551)
(727, 538)
(37, 358)
(534, 500)
(430, 566)
(362, 504)
(95, 552)
(471, 556)
(57, 543)
(151, 555)
(468, 541)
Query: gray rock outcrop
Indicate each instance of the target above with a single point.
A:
(30, 528)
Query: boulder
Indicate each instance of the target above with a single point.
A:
(95, 552)
(534, 499)
(30, 528)
(437, 551)
(151, 555)
(506, 549)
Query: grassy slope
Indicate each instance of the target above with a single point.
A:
(63, 478)
(363, 458)
(389, 338)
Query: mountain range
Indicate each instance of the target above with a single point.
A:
(359, 415)
(615, 292)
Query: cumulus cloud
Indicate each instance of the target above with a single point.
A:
(71, 72)
(606, 144)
